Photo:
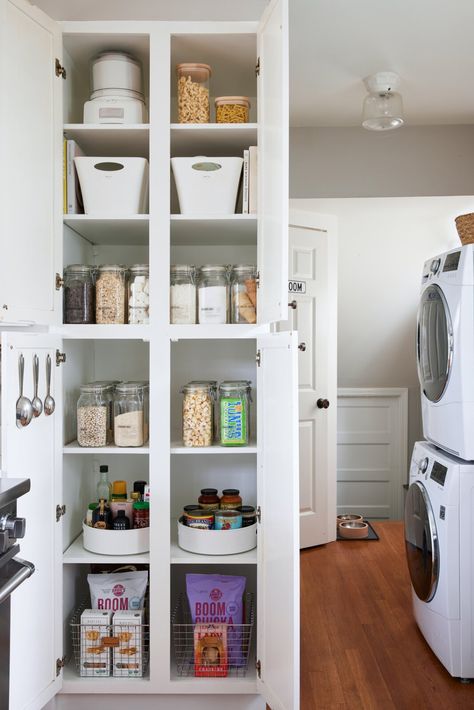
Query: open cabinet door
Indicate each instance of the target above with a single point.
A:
(31, 164)
(272, 88)
(278, 576)
(35, 452)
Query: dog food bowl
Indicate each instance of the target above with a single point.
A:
(353, 529)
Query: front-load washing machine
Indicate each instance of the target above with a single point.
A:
(445, 351)
(439, 541)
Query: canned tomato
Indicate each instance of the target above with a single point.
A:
(202, 519)
(227, 519)
(249, 516)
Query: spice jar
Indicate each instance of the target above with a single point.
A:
(208, 500)
(232, 109)
(110, 294)
(230, 500)
(92, 417)
(213, 294)
(193, 92)
(243, 294)
(182, 294)
(129, 420)
(141, 515)
(79, 296)
(139, 294)
(197, 415)
(234, 412)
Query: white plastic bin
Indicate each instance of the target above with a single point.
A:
(207, 186)
(116, 542)
(217, 542)
(113, 186)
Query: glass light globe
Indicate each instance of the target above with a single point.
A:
(382, 111)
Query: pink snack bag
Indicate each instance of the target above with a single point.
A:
(218, 599)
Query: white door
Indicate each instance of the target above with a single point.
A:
(272, 89)
(30, 165)
(277, 495)
(312, 286)
(35, 452)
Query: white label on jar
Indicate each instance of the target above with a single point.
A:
(212, 304)
(183, 304)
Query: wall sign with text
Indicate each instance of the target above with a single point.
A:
(297, 286)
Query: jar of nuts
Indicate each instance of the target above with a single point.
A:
(92, 416)
(111, 294)
(232, 109)
(197, 414)
(193, 92)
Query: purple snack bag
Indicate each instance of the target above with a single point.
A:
(218, 599)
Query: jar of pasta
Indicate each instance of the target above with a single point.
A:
(193, 92)
(197, 415)
(232, 109)
(111, 294)
(243, 294)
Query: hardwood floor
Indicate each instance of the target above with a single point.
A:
(360, 646)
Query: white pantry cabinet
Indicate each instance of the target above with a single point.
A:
(64, 474)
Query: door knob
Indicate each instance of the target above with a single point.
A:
(302, 347)
(322, 403)
(293, 305)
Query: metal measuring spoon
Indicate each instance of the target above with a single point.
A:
(24, 408)
(37, 404)
(49, 403)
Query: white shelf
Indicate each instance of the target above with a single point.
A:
(178, 448)
(213, 230)
(73, 683)
(76, 554)
(122, 141)
(74, 448)
(182, 557)
(104, 332)
(212, 139)
(131, 230)
(216, 332)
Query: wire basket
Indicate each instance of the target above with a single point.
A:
(120, 650)
(465, 227)
(195, 652)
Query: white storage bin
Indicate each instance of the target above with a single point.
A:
(115, 542)
(217, 542)
(207, 186)
(113, 186)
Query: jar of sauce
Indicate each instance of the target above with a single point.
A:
(141, 515)
(208, 500)
(230, 499)
(249, 516)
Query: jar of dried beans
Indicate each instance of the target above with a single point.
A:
(197, 415)
(111, 294)
(193, 92)
(79, 297)
(129, 414)
(92, 416)
(243, 294)
(232, 109)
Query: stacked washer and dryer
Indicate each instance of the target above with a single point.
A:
(439, 510)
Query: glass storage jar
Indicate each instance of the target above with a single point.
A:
(92, 417)
(111, 294)
(193, 92)
(182, 294)
(232, 109)
(212, 384)
(108, 389)
(79, 295)
(139, 294)
(129, 414)
(243, 294)
(213, 294)
(208, 500)
(197, 415)
(234, 413)
(231, 499)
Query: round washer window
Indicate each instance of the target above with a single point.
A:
(435, 343)
(421, 542)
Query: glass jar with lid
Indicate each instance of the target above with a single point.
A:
(108, 389)
(212, 384)
(79, 294)
(197, 415)
(111, 294)
(234, 413)
(139, 294)
(243, 294)
(232, 109)
(129, 414)
(182, 294)
(92, 417)
(193, 92)
(213, 294)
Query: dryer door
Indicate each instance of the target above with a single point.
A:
(434, 343)
(421, 542)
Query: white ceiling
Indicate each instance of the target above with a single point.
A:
(335, 43)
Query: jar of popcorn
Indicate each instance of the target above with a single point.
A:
(197, 414)
(138, 294)
(193, 92)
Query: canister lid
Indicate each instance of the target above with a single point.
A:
(119, 488)
(222, 100)
(186, 268)
(113, 267)
(196, 387)
(141, 505)
(79, 268)
(198, 70)
(239, 268)
(209, 491)
(139, 267)
(230, 492)
(213, 268)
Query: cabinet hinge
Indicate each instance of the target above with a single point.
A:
(258, 358)
(60, 511)
(257, 279)
(60, 358)
(60, 70)
(259, 514)
(59, 282)
(60, 663)
(258, 666)
(257, 67)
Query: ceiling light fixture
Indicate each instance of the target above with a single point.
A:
(383, 107)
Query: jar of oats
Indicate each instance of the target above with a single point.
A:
(111, 294)
(92, 416)
(197, 414)
(193, 92)
(232, 109)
